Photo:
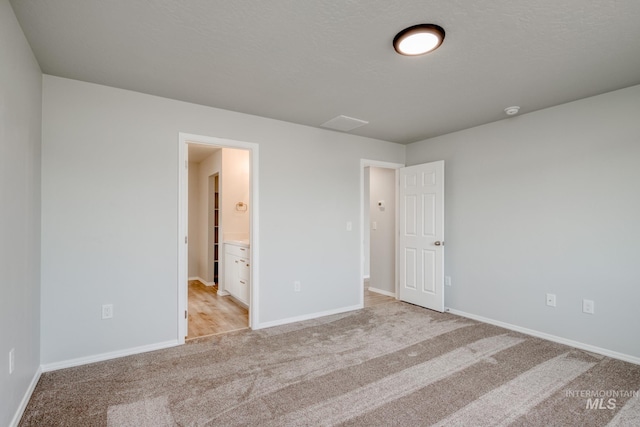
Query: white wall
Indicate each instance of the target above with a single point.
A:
(20, 125)
(382, 239)
(209, 166)
(235, 188)
(194, 221)
(110, 225)
(547, 202)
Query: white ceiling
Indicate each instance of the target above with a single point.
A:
(199, 152)
(309, 61)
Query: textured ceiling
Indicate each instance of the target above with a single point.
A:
(309, 61)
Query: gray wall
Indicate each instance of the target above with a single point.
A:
(110, 205)
(382, 240)
(20, 121)
(547, 202)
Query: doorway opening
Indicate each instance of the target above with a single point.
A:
(419, 232)
(379, 231)
(217, 286)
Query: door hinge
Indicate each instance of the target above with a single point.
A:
(186, 240)
(185, 314)
(186, 164)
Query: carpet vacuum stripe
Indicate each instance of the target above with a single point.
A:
(568, 407)
(460, 389)
(363, 399)
(506, 403)
(629, 414)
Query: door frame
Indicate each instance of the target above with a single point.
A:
(364, 163)
(182, 279)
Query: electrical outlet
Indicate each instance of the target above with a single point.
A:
(447, 280)
(107, 311)
(12, 360)
(551, 300)
(588, 306)
(296, 286)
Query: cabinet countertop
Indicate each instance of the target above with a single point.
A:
(242, 243)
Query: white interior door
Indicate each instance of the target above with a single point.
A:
(421, 245)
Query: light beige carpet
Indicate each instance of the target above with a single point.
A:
(388, 365)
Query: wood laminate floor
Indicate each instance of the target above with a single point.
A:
(374, 298)
(210, 313)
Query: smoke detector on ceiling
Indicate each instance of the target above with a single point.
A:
(512, 110)
(344, 123)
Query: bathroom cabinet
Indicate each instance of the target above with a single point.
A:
(237, 267)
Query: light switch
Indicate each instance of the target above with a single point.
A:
(374, 225)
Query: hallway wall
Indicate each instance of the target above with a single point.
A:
(382, 239)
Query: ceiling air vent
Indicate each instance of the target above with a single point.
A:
(344, 123)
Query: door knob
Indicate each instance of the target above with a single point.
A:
(438, 243)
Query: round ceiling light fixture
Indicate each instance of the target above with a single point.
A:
(418, 40)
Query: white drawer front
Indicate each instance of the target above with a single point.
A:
(240, 251)
(243, 291)
(243, 270)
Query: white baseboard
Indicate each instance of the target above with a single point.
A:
(306, 317)
(204, 282)
(25, 399)
(543, 335)
(380, 291)
(107, 356)
(222, 292)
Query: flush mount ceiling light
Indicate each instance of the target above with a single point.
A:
(418, 40)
